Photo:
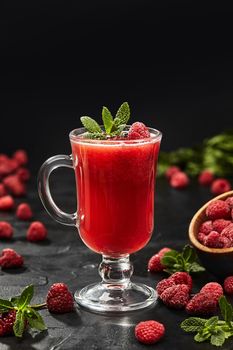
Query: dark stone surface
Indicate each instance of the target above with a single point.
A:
(63, 257)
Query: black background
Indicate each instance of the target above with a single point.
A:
(171, 60)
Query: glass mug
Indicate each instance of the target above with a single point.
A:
(115, 182)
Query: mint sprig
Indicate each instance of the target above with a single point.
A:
(24, 312)
(112, 126)
(186, 260)
(212, 329)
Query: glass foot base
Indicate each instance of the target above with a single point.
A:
(114, 298)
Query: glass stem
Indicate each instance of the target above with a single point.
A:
(116, 272)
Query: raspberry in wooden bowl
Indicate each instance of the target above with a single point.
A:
(211, 233)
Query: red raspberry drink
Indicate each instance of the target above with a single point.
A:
(115, 185)
(115, 181)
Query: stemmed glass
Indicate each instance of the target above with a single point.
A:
(115, 182)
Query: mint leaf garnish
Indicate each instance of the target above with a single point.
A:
(113, 127)
(19, 324)
(91, 125)
(226, 309)
(123, 115)
(218, 338)
(182, 261)
(193, 324)
(35, 320)
(107, 120)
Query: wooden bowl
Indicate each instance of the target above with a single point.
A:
(218, 261)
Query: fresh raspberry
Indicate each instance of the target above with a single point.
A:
(212, 240)
(3, 191)
(182, 278)
(228, 285)
(206, 178)
(5, 168)
(3, 158)
(176, 296)
(214, 289)
(36, 232)
(154, 264)
(163, 251)
(6, 203)
(201, 304)
(149, 332)
(59, 299)
(218, 209)
(179, 180)
(24, 211)
(23, 174)
(14, 185)
(220, 224)
(206, 227)
(138, 130)
(171, 171)
(228, 232)
(21, 157)
(201, 237)
(164, 284)
(10, 258)
(6, 230)
(232, 213)
(229, 202)
(7, 320)
(225, 242)
(220, 186)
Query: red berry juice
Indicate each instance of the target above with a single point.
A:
(115, 190)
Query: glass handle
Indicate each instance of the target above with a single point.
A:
(44, 189)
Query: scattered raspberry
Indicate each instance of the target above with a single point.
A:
(59, 299)
(7, 320)
(21, 157)
(179, 180)
(214, 289)
(182, 278)
(228, 285)
(171, 171)
(220, 186)
(206, 178)
(24, 211)
(6, 230)
(201, 237)
(149, 332)
(138, 130)
(14, 185)
(23, 174)
(176, 296)
(10, 258)
(228, 232)
(212, 240)
(201, 304)
(206, 227)
(229, 202)
(163, 251)
(220, 224)
(36, 232)
(218, 209)
(154, 264)
(164, 284)
(3, 158)
(2, 190)
(6, 203)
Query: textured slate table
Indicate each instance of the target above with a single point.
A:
(64, 258)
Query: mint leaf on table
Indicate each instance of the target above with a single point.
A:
(6, 304)
(212, 329)
(25, 297)
(186, 260)
(19, 324)
(107, 119)
(91, 125)
(35, 320)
